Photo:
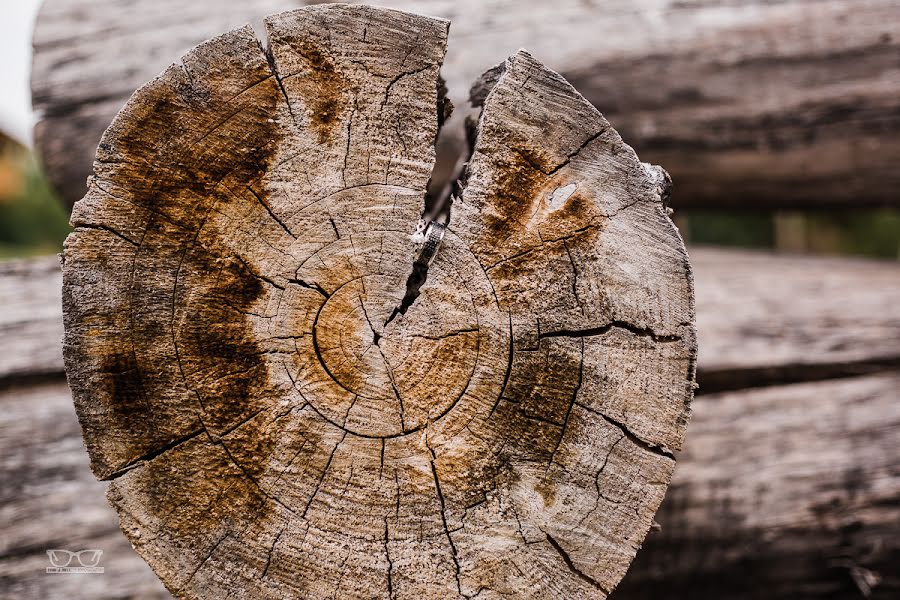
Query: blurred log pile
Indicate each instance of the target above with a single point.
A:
(788, 487)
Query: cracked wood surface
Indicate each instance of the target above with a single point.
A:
(748, 104)
(765, 503)
(276, 419)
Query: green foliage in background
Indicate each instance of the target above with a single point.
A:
(742, 229)
(32, 221)
(869, 233)
(866, 232)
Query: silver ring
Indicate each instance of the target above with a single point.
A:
(434, 234)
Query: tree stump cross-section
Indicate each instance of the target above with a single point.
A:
(280, 415)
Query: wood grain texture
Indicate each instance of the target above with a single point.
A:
(799, 508)
(788, 492)
(765, 318)
(748, 104)
(50, 500)
(276, 416)
(30, 319)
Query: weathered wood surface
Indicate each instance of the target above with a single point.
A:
(748, 104)
(51, 500)
(30, 319)
(282, 411)
(787, 492)
(764, 318)
(761, 317)
(766, 503)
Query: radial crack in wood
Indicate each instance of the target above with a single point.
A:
(273, 426)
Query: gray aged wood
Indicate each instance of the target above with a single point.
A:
(765, 318)
(280, 416)
(30, 319)
(799, 508)
(748, 104)
(787, 492)
(50, 500)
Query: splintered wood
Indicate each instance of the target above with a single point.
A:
(274, 425)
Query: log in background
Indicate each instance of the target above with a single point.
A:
(748, 103)
(811, 512)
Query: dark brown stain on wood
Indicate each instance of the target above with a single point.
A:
(543, 381)
(525, 181)
(129, 400)
(517, 186)
(221, 360)
(196, 489)
(525, 427)
(531, 420)
(535, 409)
(212, 477)
(577, 213)
(168, 170)
(324, 90)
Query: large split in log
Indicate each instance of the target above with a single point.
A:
(281, 412)
(751, 104)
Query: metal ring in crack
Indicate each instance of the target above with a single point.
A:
(279, 416)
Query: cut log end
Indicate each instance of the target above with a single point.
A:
(278, 416)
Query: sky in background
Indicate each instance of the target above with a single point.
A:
(16, 23)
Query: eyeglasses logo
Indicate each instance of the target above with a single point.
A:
(61, 561)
